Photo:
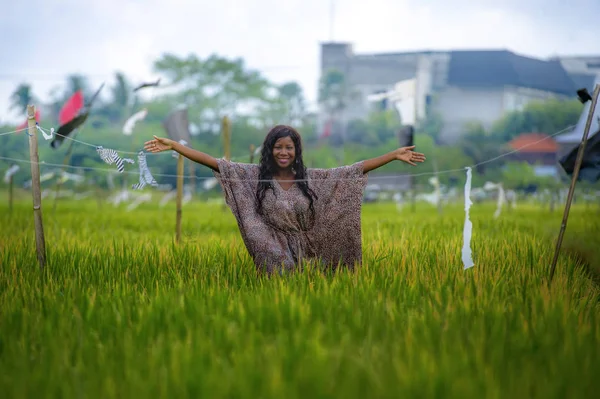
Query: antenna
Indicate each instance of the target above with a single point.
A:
(331, 18)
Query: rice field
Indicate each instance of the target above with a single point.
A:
(123, 311)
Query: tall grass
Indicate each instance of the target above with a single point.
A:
(121, 311)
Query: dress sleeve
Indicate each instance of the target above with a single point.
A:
(343, 185)
(238, 181)
(337, 231)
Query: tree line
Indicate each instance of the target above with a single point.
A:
(216, 86)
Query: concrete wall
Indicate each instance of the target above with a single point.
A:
(366, 74)
(374, 73)
(460, 105)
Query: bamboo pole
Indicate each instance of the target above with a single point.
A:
(192, 181)
(66, 161)
(226, 133)
(10, 194)
(578, 162)
(179, 198)
(36, 192)
(438, 194)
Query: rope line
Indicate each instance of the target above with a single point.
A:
(307, 180)
(90, 168)
(14, 131)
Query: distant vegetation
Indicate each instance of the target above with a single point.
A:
(217, 86)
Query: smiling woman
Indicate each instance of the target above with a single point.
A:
(287, 213)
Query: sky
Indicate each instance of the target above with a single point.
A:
(42, 41)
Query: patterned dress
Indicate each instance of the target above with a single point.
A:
(288, 232)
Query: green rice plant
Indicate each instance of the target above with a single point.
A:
(122, 311)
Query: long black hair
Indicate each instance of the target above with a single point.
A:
(268, 166)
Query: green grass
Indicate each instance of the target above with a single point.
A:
(121, 311)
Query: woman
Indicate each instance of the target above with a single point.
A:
(286, 212)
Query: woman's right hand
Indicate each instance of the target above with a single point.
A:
(158, 144)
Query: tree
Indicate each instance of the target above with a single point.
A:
(379, 127)
(334, 95)
(119, 106)
(21, 97)
(76, 82)
(292, 98)
(121, 91)
(214, 87)
(480, 145)
(431, 125)
(59, 96)
(285, 105)
(548, 117)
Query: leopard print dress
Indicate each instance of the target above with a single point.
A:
(288, 233)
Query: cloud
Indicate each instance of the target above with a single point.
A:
(99, 37)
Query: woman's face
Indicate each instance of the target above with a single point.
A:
(284, 152)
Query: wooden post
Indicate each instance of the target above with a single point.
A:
(66, 161)
(36, 191)
(192, 170)
(413, 195)
(578, 161)
(226, 133)
(252, 149)
(10, 194)
(438, 194)
(179, 198)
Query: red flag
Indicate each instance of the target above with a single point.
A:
(71, 108)
(327, 129)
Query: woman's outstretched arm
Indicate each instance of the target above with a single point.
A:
(404, 154)
(163, 144)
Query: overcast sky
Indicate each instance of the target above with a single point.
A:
(43, 40)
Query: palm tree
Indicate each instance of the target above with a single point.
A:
(120, 91)
(118, 107)
(21, 97)
(77, 82)
(291, 93)
(479, 145)
(334, 95)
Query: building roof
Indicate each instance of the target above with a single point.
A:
(533, 142)
(575, 135)
(490, 68)
(582, 80)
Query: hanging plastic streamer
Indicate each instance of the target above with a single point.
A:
(66, 176)
(175, 154)
(132, 120)
(511, 196)
(187, 194)
(47, 136)
(168, 197)
(10, 172)
(501, 196)
(501, 200)
(112, 157)
(467, 257)
(145, 175)
(141, 198)
(45, 177)
(210, 183)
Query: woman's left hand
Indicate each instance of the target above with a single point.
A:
(406, 154)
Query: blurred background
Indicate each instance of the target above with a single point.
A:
(466, 82)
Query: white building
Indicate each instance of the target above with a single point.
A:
(460, 86)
